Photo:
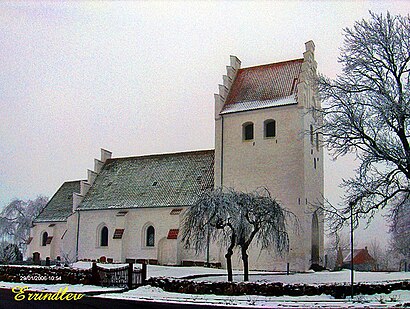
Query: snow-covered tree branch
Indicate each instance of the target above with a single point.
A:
(367, 112)
(237, 219)
(17, 218)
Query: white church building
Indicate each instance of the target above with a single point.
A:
(131, 209)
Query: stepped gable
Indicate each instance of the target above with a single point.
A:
(60, 206)
(264, 86)
(175, 179)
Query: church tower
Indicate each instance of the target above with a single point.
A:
(266, 135)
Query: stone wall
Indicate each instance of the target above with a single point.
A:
(274, 288)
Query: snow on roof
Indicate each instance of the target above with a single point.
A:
(251, 105)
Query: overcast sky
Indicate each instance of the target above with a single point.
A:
(139, 77)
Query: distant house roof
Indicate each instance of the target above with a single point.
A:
(360, 256)
(60, 206)
(175, 179)
(264, 86)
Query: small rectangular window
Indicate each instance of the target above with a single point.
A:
(248, 132)
(270, 128)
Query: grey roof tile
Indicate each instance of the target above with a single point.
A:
(60, 206)
(163, 180)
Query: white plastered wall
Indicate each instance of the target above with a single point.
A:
(273, 163)
(133, 243)
(51, 250)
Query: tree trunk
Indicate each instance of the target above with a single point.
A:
(245, 264)
(228, 257)
(244, 248)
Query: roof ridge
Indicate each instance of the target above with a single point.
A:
(69, 181)
(162, 154)
(273, 63)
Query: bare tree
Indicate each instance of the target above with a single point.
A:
(212, 218)
(17, 218)
(367, 112)
(236, 219)
(9, 253)
(68, 258)
(379, 253)
(338, 243)
(261, 219)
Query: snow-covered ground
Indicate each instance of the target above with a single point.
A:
(88, 265)
(152, 294)
(220, 274)
(320, 277)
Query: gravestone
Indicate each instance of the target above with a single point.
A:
(36, 258)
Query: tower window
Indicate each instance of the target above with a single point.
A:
(248, 131)
(317, 141)
(270, 128)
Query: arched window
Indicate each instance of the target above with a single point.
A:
(270, 128)
(150, 236)
(315, 239)
(44, 239)
(311, 134)
(247, 131)
(104, 237)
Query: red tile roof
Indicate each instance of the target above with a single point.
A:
(265, 82)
